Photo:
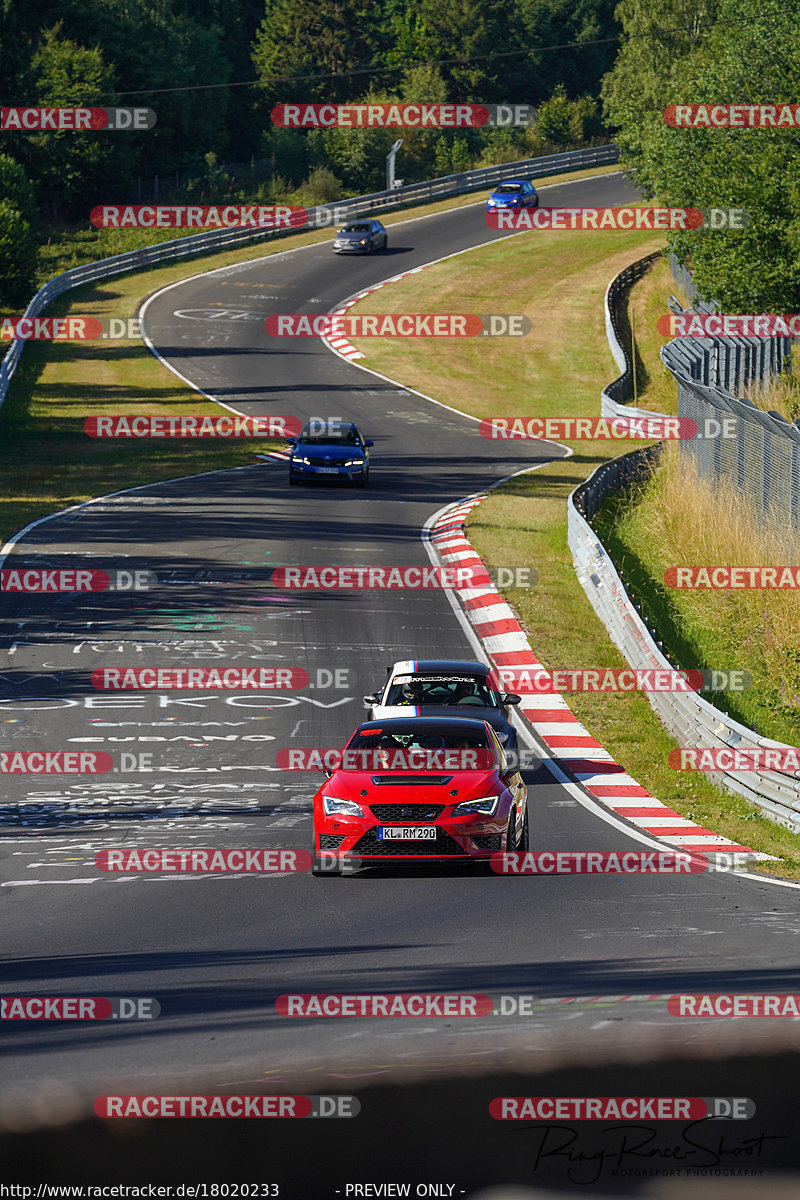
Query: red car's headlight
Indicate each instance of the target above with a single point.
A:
(345, 808)
(484, 807)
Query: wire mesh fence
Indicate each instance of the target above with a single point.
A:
(756, 451)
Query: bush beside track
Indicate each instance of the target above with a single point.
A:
(559, 281)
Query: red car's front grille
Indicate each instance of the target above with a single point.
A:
(370, 843)
(407, 812)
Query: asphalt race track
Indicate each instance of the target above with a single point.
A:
(216, 952)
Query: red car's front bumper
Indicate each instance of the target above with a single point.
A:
(464, 838)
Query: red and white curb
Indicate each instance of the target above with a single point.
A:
(276, 455)
(551, 718)
(340, 344)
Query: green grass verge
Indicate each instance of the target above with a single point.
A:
(48, 462)
(560, 368)
(699, 628)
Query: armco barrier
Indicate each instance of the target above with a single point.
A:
(691, 719)
(614, 396)
(223, 239)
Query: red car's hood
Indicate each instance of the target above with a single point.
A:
(360, 786)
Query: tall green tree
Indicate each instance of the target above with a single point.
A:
(314, 45)
(750, 56)
(17, 189)
(467, 30)
(18, 219)
(71, 165)
(17, 256)
(660, 36)
(578, 68)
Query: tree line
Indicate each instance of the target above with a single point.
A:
(213, 69)
(716, 52)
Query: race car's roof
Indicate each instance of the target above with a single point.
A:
(438, 666)
(431, 724)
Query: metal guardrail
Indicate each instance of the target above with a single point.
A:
(691, 719)
(614, 396)
(223, 239)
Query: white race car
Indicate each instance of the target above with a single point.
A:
(438, 686)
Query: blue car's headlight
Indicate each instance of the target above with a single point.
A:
(354, 462)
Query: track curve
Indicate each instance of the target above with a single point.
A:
(217, 952)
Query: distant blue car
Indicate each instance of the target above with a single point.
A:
(514, 193)
(329, 449)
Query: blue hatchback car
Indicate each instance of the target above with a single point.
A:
(514, 193)
(329, 449)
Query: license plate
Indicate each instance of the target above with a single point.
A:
(407, 833)
(328, 470)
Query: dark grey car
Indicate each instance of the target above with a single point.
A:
(360, 237)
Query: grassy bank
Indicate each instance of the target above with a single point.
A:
(559, 368)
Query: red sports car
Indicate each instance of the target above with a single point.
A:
(412, 789)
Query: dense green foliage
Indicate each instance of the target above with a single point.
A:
(180, 58)
(717, 52)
